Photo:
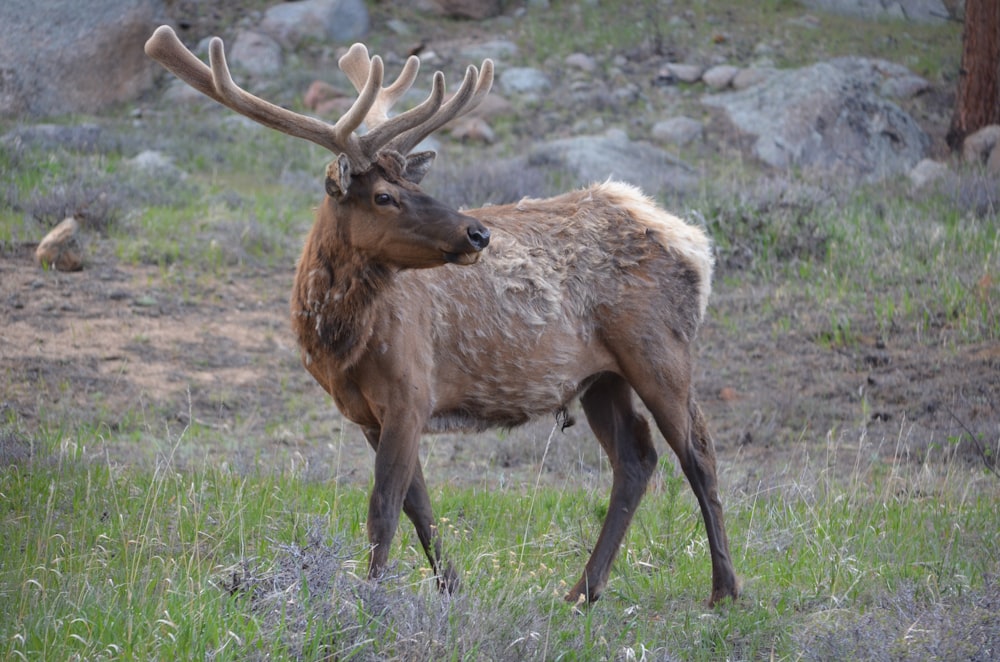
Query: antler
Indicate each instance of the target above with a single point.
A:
(401, 133)
(403, 137)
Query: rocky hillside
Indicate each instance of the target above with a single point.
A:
(658, 93)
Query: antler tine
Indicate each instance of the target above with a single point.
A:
(353, 118)
(355, 63)
(217, 83)
(474, 89)
(387, 130)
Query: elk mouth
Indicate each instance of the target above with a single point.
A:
(462, 258)
(477, 238)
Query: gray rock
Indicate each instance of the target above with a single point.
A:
(979, 146)
(926, 173)
(581, 61)
(751, 76)
(400, 27)
(905, 87)
(65, 56)
(677, 130)
(523, 80)
(324, 20)
(685, 73)
(829, 116)
(257, 54)
(918, 11)
(156, 163)
(720, 77)
(590, 159)
(497, 49)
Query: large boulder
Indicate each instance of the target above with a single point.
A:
(66, 56)
(590, 159)
(256, 53)
(831, 116)
(341, 21)
(918, 11)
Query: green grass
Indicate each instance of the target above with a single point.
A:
(740, 33)
(127, 537)
(928, 267)
(108, 561)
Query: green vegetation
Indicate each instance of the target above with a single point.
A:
(739, 32)
(108, 561)
(927, 268)
(201, 527)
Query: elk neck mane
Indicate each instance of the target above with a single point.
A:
(336, 296)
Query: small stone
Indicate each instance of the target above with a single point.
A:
(61, 248)
(677, 130)
(749, 77)
(257, 53)
(473, 129)
(685, 73)
(581, 61)
(927, 172)
(320, 92)
(978, 147)
(720, 77)
(524, 80)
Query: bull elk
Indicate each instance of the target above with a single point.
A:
(419, 318)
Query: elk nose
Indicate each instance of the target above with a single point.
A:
(479, 237)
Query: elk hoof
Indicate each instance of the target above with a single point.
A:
(725, 593)
(448, 581)
(582, 593)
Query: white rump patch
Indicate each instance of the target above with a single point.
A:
(672, 232)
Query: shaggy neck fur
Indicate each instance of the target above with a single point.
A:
(336, 298)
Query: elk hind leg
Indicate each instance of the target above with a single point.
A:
(668, 397)
(626, 439)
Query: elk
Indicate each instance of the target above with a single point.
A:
(418, 318)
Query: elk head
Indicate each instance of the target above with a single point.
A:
(373, 199)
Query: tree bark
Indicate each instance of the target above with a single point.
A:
(978, 101)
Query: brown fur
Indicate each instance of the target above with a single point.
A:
(593, 293)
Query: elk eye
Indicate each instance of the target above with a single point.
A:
(384, 199)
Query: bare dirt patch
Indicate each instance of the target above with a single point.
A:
(141, 355)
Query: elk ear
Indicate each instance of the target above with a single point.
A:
(418, 165)
(338, 177)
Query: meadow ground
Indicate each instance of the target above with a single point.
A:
(174, 485)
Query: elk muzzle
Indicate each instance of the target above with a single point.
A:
(478, 236)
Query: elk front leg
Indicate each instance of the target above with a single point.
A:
(396, 459)
(417, 506)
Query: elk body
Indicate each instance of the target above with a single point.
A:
(418, 318)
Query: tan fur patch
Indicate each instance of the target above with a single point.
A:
(672, 232)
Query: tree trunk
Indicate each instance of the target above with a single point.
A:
(978, 101)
